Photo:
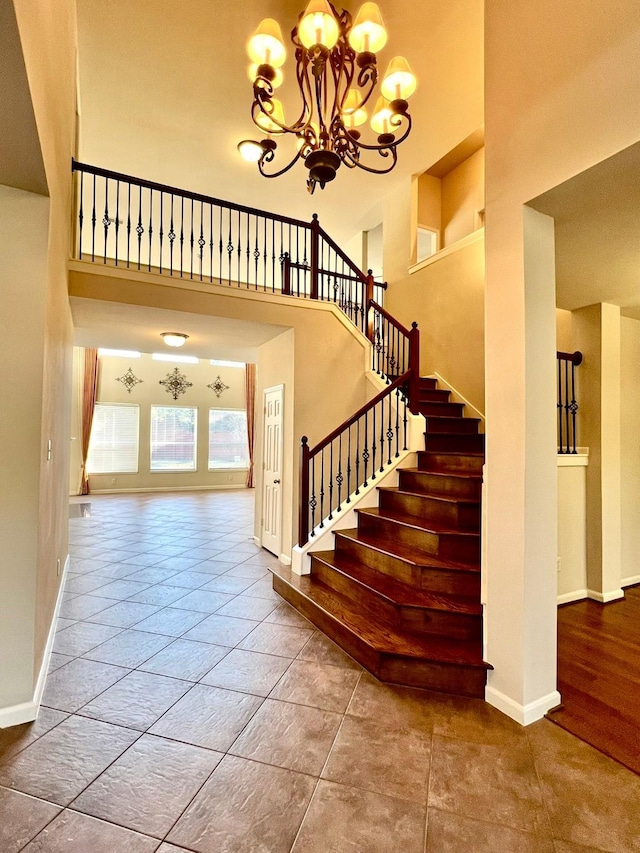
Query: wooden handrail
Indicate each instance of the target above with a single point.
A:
(397, 383)
(76, 166)
(390, 318)
(340, 253)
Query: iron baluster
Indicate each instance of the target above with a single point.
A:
(117, 217)
(559, 408)
(191, 242)
(239, 249)
(365, 452)
(93, 222)
(256, 254)
(405, 420)
(139, 228)
(150, 225)
(357, 459)
(181, 236)
(374, 441)
(349, 467)
(229, 251)
(382, 436)
(389, 433)
(313, 502)
(330, 516)
(573, 407)
(81, 216)
(128, 225)
(172, 236)
(322, 488)
(339, 477)
(161, 231)
(398, 422)
(211, 244)
(105, 220)
(201, 241)
(264, 259)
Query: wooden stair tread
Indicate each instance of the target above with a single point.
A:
(465, 475)
(422, 524)
(412, 556)
(447, 499)
(371, 627)
(397, 592)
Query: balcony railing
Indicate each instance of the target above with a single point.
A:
(567, 403)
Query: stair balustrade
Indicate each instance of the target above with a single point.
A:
(351, 456)
(567, 404)
(141, 225)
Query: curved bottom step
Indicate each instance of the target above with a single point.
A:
(447, 666)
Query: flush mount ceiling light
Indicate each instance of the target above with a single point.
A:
(174, 339)
(336, 72)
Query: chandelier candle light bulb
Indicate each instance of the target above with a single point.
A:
(336, 72)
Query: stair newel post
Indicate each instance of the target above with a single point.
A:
(303, 526)
(414, 366)
(286, 274)
(367, 305)
(315, 256)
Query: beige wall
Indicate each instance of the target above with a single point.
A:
(564, 331)
(545, 121)
(23, 248)
(149, 392)
(326, 349)
(462, 198)
(597, 336)
(572, 528)
(446, 298)
(630, 449)
(40, 320)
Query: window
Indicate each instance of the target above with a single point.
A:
(228, 439)
(113, 447)
(173, 438)
(216, 362)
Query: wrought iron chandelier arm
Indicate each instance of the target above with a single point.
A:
(268, 157)
(396, 140)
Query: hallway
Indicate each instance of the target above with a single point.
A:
(190, 709)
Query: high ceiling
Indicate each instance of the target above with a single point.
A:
(597, 230)
(165, 96)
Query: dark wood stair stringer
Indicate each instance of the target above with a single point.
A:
(401, 593)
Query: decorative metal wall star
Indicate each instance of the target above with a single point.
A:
(129, 380)
(218, 387)
(175, 383)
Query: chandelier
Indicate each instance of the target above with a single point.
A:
(336, 73)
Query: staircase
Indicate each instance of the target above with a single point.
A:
(401, 593)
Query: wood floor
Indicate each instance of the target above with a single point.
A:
(599, 675)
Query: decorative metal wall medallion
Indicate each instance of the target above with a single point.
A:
(129, 380)
(175, 383)
(218, 387)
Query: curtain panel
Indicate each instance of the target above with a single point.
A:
(89, 393)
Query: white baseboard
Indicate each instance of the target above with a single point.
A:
(523, 714)
(576, 595)
(630, 581)
(25, 712)
(257, 541)
(166, 489)
(285, 559)
(605, 597)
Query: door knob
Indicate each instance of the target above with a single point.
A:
(275, 482)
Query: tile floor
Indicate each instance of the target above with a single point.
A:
(189, 709)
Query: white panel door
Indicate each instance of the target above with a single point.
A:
(272, 469)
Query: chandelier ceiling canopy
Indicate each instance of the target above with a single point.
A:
(336, 72)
